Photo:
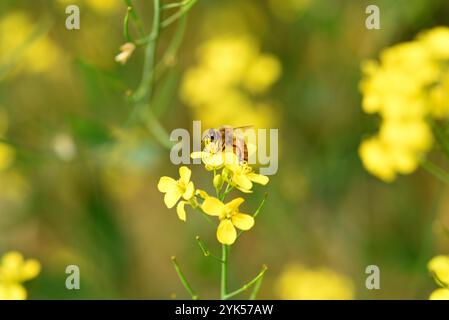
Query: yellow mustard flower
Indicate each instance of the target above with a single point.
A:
(221, 89)
(230, 218)
(39, 56)
(14, 270)
(440, 294)
(242, 177)
(175, 189)
(211, 160)
(7, 155)
(298, 282)
(409, 84)
(439, 267)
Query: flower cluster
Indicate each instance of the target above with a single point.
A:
(439, 268)
(237, 175)
(408, 86)
(14, 270)
(300, 283)
(16, 30)
(231, 71)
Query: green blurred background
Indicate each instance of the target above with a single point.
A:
(82, 188)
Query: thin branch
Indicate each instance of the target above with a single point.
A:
(183, 279)
(173, 18)
(435, 170)
(256, 288)
(135, 17)
(175, 5)
(247, 285)
(262, 203)
(126, 25)
(205, 251)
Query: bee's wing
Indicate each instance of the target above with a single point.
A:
(243, 128)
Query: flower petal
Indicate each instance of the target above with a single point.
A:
(184, 174)
(212, 206)
(258, 178)
(171, 197)
(242, 221)
(180, 210)
(234, 204)
(30, 269)
(197, 155)
(12, 291)
(242, 181)
(226, 233)
(190, 191)
(440, 294)
(214, 160)
(165, 184)
(203, 194)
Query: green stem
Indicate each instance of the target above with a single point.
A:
(126, 25)
(205, 251)
(184, 9)
(435, 170)
(262, 203)
(183, 279)
(135, 17)
(248, 285)
(226, 192)
(256, 288)
(175, 5)
(224, 272)
(144, 91)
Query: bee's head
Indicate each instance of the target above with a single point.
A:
(212, 139)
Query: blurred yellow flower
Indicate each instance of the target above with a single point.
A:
(300, 283)
(14, 270)
(440, 294)
(407, 85)
(7, 155)
(231, 70)
(175, 189)
(39, 56)
(230, 218)
(439, 267)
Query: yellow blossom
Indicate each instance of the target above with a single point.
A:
(40, 55)
(14, 270)
(175, 189)
(440, 294)
(242, 177)
(221, 88)
(230, 218)
(7, 155)
(212, 160)
(408, 84)
(439, 267)
(300, 283)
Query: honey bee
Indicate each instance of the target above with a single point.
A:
(226, 137)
